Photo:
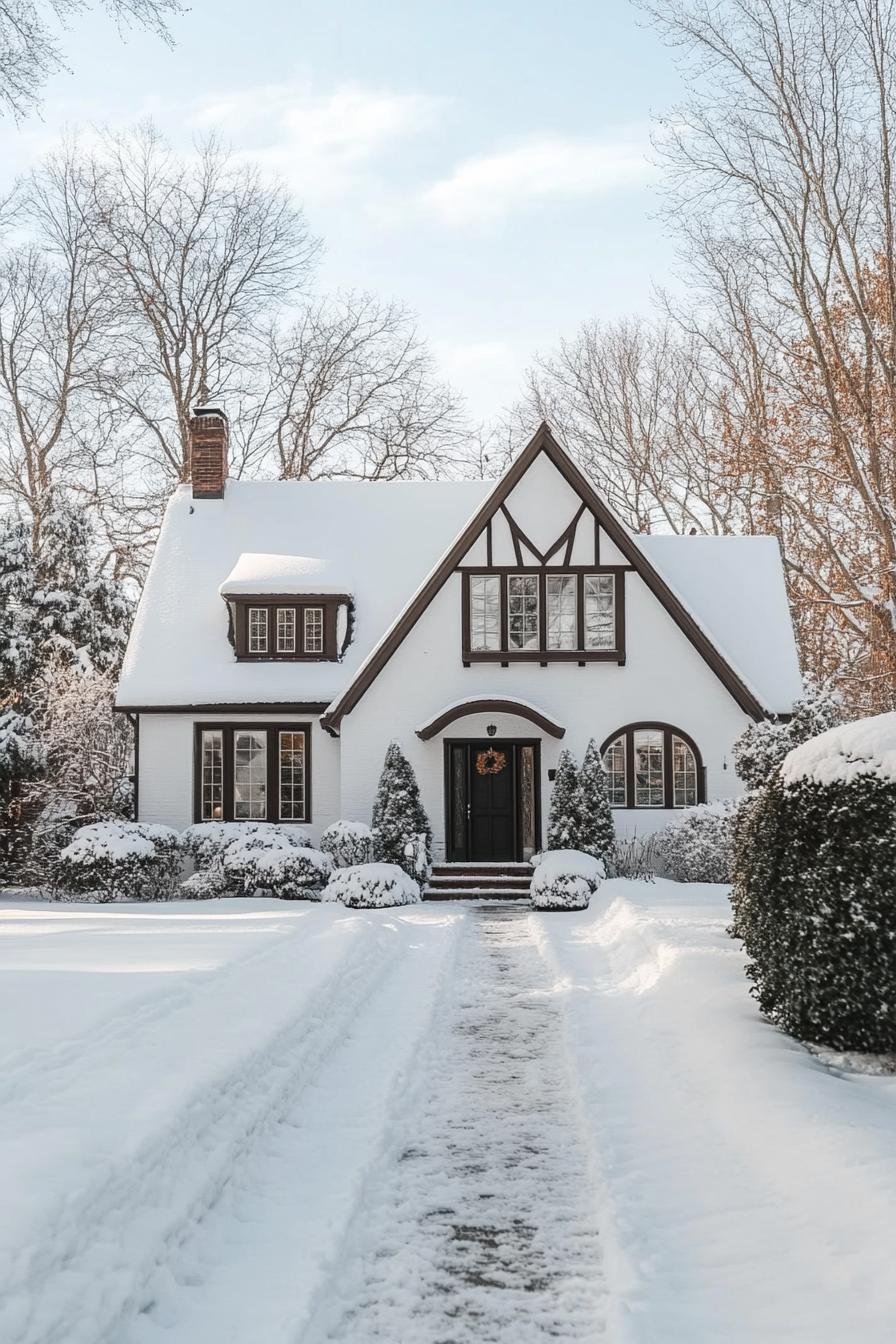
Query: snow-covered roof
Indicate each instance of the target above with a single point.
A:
(842, 754)
(379, 537)
(257, 573)
(376, 541)
(734, 588)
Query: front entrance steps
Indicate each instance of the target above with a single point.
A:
(478, 881)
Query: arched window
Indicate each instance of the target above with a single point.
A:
(653, 765)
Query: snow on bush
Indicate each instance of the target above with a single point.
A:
(762, 746)
(564, 814)
(698, 846)
(119, 860)
(271, 863)
(565, 879)
(814, 896)
(348, 843)
(204, 885)
(369, 886)
(598, 829)
(206, 841)
(399, 817)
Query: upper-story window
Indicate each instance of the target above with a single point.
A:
(543, 615)
(266, 629)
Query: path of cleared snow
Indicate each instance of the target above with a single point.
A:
(480, 1223)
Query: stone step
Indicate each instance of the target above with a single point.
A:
(473, 894)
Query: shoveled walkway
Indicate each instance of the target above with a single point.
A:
(483, 1227)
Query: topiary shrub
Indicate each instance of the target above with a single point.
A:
(565, 879)
(371, 886)
(814, 895)
(206, 841)
(270, 863)
(204, 885)
(564, 815)
(597, 828)
(348, 843)
(698, 846)
(118, 861)
(399, 818)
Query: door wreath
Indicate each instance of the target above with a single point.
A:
(490, 762)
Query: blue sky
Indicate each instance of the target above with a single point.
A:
(488, 164)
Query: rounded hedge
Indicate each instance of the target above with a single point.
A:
(815, 904)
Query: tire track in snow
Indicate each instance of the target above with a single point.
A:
(106, 1244)
(482, 1227)
(248, 1269)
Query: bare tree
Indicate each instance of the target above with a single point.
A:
(630, 401)
(195, 255)
(353, 392)
(783, 158)
(30, 49)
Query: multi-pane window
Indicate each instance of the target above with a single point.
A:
(286, 629)
(684, 774)
(600, 611)
(258, 629)
(614, 766)
(648, 746)
(485, 611)
(652, 765)
(562, 614)
(211, 803)
(522, 611)
(314, 629)
(250, 775)
(291, 760)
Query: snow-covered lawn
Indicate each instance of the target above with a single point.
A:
(251, 1120)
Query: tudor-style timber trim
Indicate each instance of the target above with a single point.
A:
(492, 705)
(541, 441)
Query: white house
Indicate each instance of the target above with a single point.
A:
(289, 630)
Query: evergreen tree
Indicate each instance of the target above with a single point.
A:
(565, 816)
(761, 748)
(598, 832)
(398, 813)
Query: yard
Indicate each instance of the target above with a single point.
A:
(242, 1120)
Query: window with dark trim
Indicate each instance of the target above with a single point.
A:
(270, 630)
(653, 765)
(543, 615)
(252, 772)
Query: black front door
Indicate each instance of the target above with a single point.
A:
(492, 794)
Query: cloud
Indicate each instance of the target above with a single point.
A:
(323, 145)
(483, 189)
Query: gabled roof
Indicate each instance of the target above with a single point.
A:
(373, 540)
(630, 546)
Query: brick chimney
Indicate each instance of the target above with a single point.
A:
(208, 452)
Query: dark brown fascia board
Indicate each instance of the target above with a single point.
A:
(486, 706)
(275, 707)
(287, 599)
(542, 441)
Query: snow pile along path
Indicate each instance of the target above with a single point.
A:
(480, 1222)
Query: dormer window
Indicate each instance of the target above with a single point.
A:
(543, 615)
(286, 607)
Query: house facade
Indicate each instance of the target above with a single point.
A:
(288, 631)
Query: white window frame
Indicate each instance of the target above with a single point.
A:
(257, 641)
(480, 632)
(302, 781)
(621, 743)
(211, 782)
(316, 644)
(690, 773)
(653, 772)
(599, 580)
(527, 579)
(554, 585)
(256, 784)
(286, 631)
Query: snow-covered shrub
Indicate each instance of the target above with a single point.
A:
(348, 843)
(598, 831)
(119, 860)
(564, 815)
(814, 895)
(565, 879)
(398, 814)
(272, 864)
(203, 885)
(698, 846)
(762, 746)
(369, 886)
(206, 841)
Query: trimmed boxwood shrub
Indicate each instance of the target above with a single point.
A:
(118, 861)
(348, 843)
(698, 846)
(815, 891)
(270, 863)
(372, 886)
